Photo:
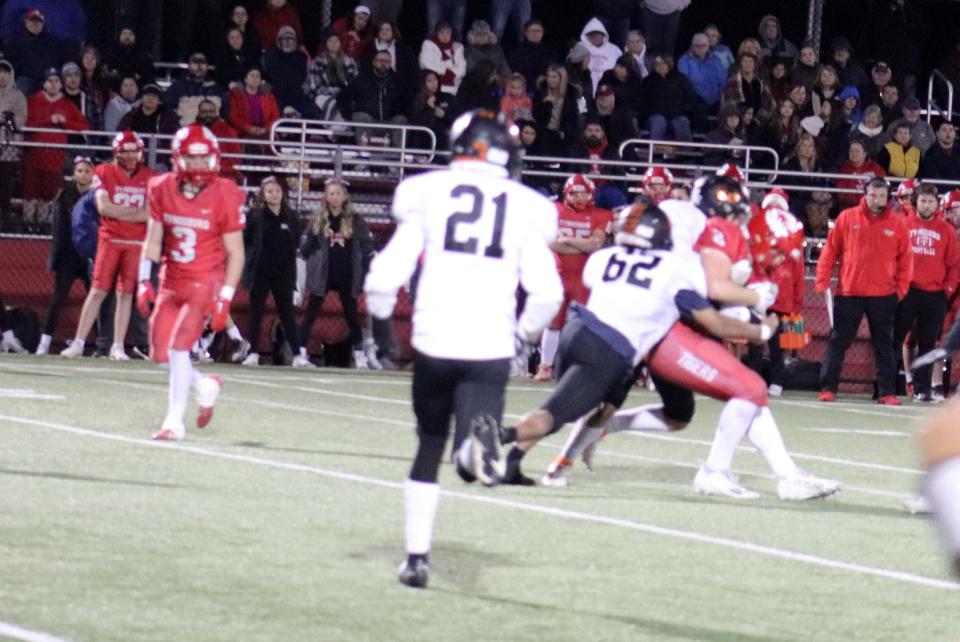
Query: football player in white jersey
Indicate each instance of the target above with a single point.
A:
(638, 290)
(480, 235)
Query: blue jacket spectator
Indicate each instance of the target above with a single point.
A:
(704, 70)
(64, 19)
(185, 94)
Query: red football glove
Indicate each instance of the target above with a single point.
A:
(146, 297)
(221, 309)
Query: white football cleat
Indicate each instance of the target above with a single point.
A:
(240, 354)
(170, 431)
(301, 361)
(10, 343)
(117, 353)
(775, 390)
(72, 351)
(558, 473)
(207, 390)
(917, 505)
(725, 483)
(360, 360)
(802, 485)
(252, 360)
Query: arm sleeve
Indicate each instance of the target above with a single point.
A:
(904, 263)
(953, 265)
(153, 200)
(539, 278)
(689, 301)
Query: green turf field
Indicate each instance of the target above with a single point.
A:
(283, 521)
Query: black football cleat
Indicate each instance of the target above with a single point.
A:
(515, 477)
(489, 460)
(414, 573)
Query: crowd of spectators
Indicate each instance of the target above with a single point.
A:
(834, 113)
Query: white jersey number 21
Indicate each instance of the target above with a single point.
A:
(469, 246)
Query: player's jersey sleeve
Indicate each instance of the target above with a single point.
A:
(691, 289)
(593, 270)
(602, 219)
(394, 266)
(233, 214)
(538, 274)
(100, 180)
(407, 202)
(155, 197)
(686, 223)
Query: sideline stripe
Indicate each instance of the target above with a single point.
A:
(768, 551)
(19, 633)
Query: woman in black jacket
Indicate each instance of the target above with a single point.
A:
(338, 248)
(270, 241)
(65, 262)
(235, 56)
(429, 109)
(667, 101)
(556, 112)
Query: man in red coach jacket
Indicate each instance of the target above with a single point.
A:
(935, 275)
(872, 245)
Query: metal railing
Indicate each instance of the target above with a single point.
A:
(695, 149)
(932, 105)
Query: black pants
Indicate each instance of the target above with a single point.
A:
(349, 304)
(755, 358)
(847, 313)
(282, 290)
(445, 388)
(63, 279)
(589, 372)
(927, 310)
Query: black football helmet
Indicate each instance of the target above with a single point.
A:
(642, 224)
(484, 135)
(721, 196)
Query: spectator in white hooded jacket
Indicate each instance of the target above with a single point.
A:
(603, 53)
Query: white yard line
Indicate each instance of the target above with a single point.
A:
(861, 431)
(27, 635)
(651, 529)
(407, 403)
(27, 393)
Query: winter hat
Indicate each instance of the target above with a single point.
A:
(5, 64)
(909, 103)
(286, 31)
(812, 125)
(71, 68)
(847, 92)
(839, 43)
(578, 54)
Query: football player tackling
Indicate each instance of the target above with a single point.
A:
(195, 232)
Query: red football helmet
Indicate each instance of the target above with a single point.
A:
(658, 183)
(128, 150)
(906, 188)
(775, 235)
(732, 171)
(578, 192)
(196, 155)
(951, 207)
(776, 198)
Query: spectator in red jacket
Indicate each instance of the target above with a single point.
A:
(253, 109)
(276, 14)
(936, 272)
(209, 116)
(356, 32)
(43, 166)
(862, 168)
(872, 245)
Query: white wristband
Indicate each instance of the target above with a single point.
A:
(765, 332)
(227, 292)
(146, 269)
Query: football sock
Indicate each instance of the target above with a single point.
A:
(580, 437)
(234, 333)
(940, 488)
(79, 342)
(908, 376)
(649, 417)
(303, 352)
(735, 419)
(508, 435)
(420, 500)
(45, 340)
(515, 456)
(116, 346)
(548, 347)
(181, 380)
(765, 437)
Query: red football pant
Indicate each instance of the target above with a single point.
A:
(689, 359)
(179, 316)
(117, 264)
(573, 290)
